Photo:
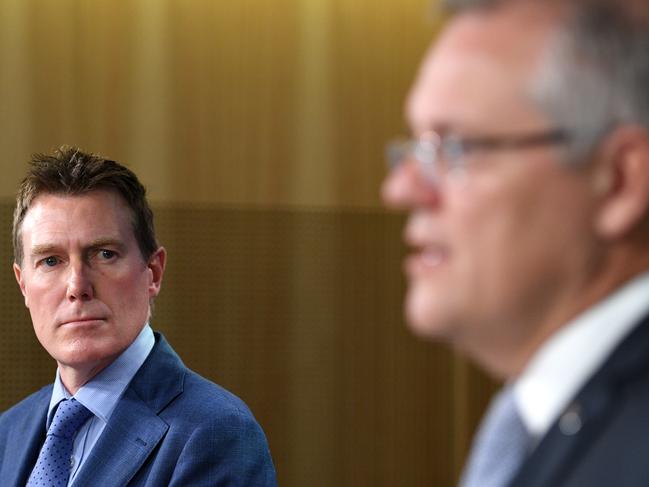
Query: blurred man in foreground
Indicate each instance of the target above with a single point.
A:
(123, 409)
(527, 187)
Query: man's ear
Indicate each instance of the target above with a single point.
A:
(21, 283)
(156, 266)
(621, 179)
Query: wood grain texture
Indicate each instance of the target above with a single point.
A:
(253, 102)
(258, 128)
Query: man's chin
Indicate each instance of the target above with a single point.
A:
(79, 361)
(425, 316)
(82, 354)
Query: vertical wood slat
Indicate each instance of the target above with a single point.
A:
(282, 103)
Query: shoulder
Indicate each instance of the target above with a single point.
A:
(204, 404)
(208, 426)
(166, 384)
(17, 422)
(217, 435)
(27, 406)
(201, 389)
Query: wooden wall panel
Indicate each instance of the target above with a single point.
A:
(253, 102)
(258, 127)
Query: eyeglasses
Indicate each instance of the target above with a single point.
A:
(438, 154)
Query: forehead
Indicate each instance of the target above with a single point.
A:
(479, 72)
(96, 214)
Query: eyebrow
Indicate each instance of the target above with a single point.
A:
(49, 248)
(107, 242)
(42, 249)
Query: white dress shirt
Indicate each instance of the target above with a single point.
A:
(571, 356)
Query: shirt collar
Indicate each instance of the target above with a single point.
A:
(101, 394)
(563, 364)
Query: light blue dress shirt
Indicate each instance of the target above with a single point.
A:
(101, 395)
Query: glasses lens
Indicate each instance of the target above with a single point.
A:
(396, 152)
(426, 152)
(454, 154)
(423, 151)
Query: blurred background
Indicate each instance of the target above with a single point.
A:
(258, 128)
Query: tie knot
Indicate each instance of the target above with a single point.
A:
(69, 417)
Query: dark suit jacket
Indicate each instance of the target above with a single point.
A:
(171, 428)
(602, 438)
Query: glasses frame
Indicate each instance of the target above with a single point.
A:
(437, 153)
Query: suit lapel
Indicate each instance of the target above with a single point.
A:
(568, 439)
(25, 441)
(132, 432)
(134, 429)
(585, 417)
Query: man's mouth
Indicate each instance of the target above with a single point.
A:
(82, 321)
(425, 259)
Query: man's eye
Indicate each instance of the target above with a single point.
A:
(50, 261)
(107, 254)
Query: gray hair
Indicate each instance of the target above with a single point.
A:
(594, 73)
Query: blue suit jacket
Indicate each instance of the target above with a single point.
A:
(602, 438)
(171, 428)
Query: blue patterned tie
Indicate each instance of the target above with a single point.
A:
(500, 446)
(53, 465)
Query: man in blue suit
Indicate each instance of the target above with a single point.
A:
(527, 187)
(88, 265)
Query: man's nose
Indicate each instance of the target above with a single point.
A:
(79, 284)
(406, 187)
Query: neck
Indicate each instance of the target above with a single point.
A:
(508, 356)
(74, 377)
